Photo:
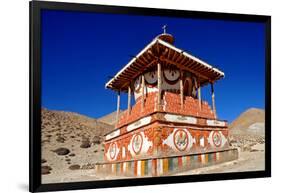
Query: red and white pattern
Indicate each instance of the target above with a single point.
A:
(217, 139)
(112, 152)
(139, 144)
(179, 140)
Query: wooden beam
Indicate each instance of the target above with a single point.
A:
(213, 100)
(165, 52)
(182, 60)
(138, 65)
(185, 62)
(158, 48)
(181, 87)
(146, 61)
(118, 108)
(140, 61)
(137, 74)
(174, 56)
(150, 53)
(181, 66)
(169, 52)
(199, 95)
(129, 99)
(201, 68)
(195, 65)
(191, 64)
(134, 68)
(148, 56)
(142, 92)
(125, 78)
(159, 85)
(127, 72)
(179, 57)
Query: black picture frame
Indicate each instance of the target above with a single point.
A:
(35, 8)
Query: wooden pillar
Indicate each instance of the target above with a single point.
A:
(142, 93)
(213, 100)
(118, 107)
(129, 99)
(159, 85)
(199, 93)
(181, 89)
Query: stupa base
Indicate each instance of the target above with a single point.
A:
(163, 166)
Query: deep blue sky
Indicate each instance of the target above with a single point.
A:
(80, 51)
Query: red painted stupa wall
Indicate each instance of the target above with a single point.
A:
(172, 130)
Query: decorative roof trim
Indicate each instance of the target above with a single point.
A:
(190, 56)
(131, 61)
(157, 40)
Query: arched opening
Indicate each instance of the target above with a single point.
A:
(187, 87)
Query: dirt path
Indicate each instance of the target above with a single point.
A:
(248, 161)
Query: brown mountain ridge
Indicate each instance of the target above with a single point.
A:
(250, 118)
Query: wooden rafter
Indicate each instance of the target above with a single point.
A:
(169, 52)
(180, 66)
(137, 74)
(179, 57)
(174, 56)
(146, 61)
(182, 60)
(169, 55)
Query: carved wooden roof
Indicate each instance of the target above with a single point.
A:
(167, 54)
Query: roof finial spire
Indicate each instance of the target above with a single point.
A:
(164, 28)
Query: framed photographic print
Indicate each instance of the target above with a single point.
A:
(126, 96)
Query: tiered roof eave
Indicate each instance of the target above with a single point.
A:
(159, 50)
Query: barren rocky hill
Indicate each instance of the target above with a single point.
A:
(248, 129)
(70, 141)
(70, 120)
(110, 118)
(248, 117)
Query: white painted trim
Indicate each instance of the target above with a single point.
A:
(159, 166)
(139, 123)
(112, 134)
(202, 141)
(139, 168)
(180, 119)
(215, 123)
(131, 61)
(125, 167)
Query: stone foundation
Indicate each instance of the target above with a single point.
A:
(163, 166)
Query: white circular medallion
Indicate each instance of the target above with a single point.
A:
(151, 78)
(137, 143)
(181, 139)
(217, 139)
(112, 150)
(171, 75)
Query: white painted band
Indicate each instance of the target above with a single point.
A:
(112, 134)
(215, 123)
(180, 119)
(139, 123)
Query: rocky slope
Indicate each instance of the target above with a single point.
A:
(70, 141)
(110, 118)
(247, 119)
(248, 129)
